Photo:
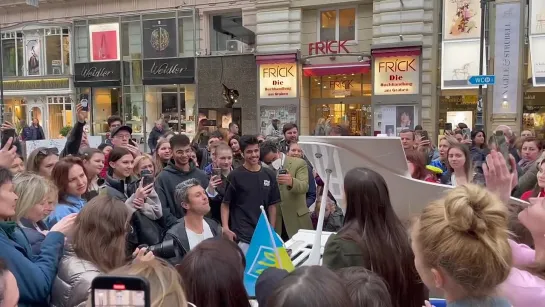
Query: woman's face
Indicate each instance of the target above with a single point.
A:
(295, 151)
(541, 176)
(235, 146)
(164, 152)
(95, 164)
(193, 157)
(123, 167)
(17, 167)
(443, 149)
(146, 165)
(479, 138)
(529, 151)
(533, 217)
(77, 181)
(49, 204)
(46, 167)
(37, 212)
(8, 200)
(456, 158)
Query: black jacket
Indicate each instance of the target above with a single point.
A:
(179, 235)
(154, 136)
(73, 141)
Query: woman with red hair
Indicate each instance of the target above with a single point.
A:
(416, 161)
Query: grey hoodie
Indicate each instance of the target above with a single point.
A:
(166, 183)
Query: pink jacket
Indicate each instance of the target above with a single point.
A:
(522, 288)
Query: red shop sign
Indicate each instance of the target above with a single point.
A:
(327, 47)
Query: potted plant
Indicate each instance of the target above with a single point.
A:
(65, 130)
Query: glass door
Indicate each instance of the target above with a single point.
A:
(38, 112)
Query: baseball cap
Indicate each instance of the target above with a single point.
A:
(121, 128)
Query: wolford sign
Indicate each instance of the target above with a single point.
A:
(327, 47)
(396, 75)
(278, 80)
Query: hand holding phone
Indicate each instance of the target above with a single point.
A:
(216, 172)
(120, 291)
(6, 135)
(147, 178)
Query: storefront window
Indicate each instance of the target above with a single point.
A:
(59, 115)
(162, 103)
(338, 25)
(220, 118)
(356, 116)
(341, 86)
(457, 109)
(105, 103)
(36, 52)
(131, 34)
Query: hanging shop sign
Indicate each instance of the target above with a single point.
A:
(97, 74)
(397, 75)
(507, 59)
(38, 84)
(278, 80)
(328, 47)
(169, 71)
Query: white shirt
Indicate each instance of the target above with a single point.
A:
(196, 238)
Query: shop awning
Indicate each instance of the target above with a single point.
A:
(276, 58)
(396, 52)
(336, 69)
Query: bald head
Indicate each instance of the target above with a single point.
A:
(506, 130)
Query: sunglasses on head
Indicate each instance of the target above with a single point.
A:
(48, 151)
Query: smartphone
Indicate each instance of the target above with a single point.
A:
(216, 172)
(282, 171)
(424, 135)
(6, 134)
(84, 101)
(147, 178)
(466, 132)
(132, 142)
(128, 291)
(448, 126)
(503, 147)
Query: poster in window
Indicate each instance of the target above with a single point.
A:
(462, 19)
(537, 18)
(405, 117)
(33, 54)
(104, 42)
(159, 38)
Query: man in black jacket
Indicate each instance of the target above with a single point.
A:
(193, 228)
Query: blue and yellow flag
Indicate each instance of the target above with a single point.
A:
(263, 254)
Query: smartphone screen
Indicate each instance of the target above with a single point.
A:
(448, 126)
(282, 171)
(84, 101)
(216, 171)
(424, 135)
(466, 133)
(147, 178)
(6, 134)
(128, 291)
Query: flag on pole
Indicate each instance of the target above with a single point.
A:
(266, 250)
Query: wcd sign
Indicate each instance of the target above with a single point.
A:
(278, 80)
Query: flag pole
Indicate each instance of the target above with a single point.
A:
(314, 257)
(273, 241)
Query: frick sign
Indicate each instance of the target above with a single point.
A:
(327, 47)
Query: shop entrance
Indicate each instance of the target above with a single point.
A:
(104, 102)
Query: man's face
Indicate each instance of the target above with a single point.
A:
(224, 159)
(251, 154)
(407, 140)
(115, 125)
(526, 133)
(121, 138)
(234, 129)
(198, 201)
(291, 135)
(270, 158)
(182, 155)
(295, 151)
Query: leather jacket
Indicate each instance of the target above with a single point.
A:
(73, 282)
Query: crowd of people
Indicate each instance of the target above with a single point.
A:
(70, 216)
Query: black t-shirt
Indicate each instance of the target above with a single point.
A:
(246, 191)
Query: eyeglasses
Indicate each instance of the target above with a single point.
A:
(48, 151)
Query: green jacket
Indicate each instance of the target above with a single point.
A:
(293, 210)
(340, 253)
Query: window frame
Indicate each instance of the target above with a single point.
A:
(337, 21)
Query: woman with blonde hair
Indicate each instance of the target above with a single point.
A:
(165, 282)
(461, 247)
(98, 245)
(144, 162)
(36, 200)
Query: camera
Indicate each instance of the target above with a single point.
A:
(165, 249)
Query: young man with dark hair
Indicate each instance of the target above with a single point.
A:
(292, 214)
(114, 122)
(291, 134)
(194, 227)
(248, 188)
(180, 169)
